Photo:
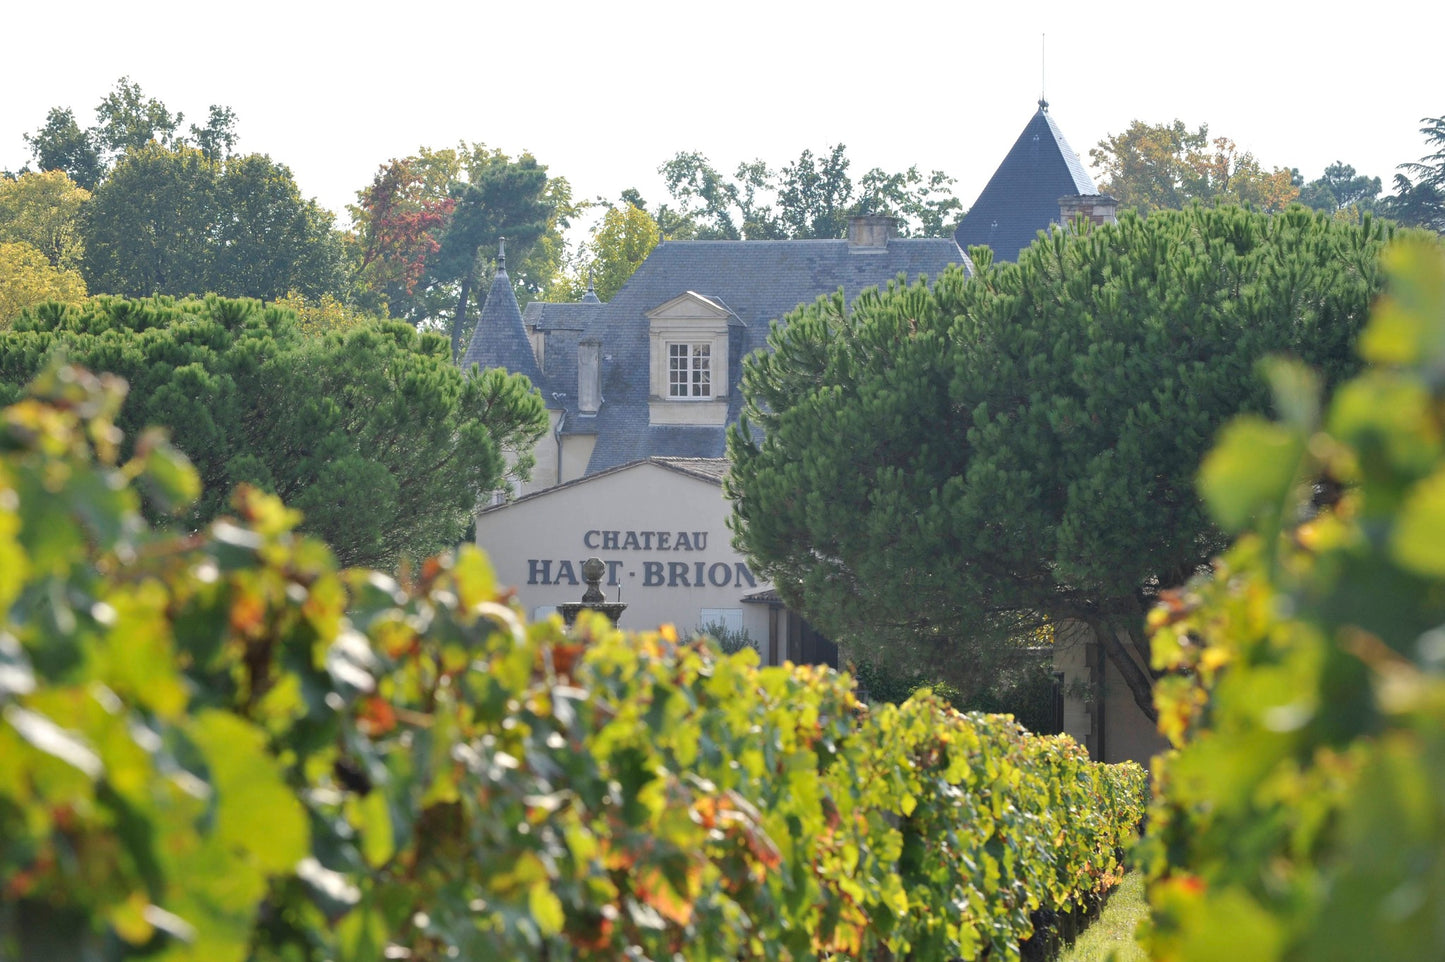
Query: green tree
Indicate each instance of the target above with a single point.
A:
(1020, 446)
(417, 205)
(218, 137)
(172, 221)
(62, 145)
(43, 210)
(810, 197)
(148, 227)
(373, 432)
(1340, 189)
(1419, 197)
(707, 203)
(27, 278)
(925, 205)
(619, 244)
(268, 240)
(1168, 166)
(126, 119)
(506, 199)
(815, 195)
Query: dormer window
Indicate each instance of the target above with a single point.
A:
(689, 352)
(689, 370)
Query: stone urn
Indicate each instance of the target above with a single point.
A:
(592, 571)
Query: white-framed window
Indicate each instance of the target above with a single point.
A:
(729, 618)
(689, 370)
(687, 350)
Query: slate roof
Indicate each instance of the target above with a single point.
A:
(757, 281)
(1022, 197)
(500, 340)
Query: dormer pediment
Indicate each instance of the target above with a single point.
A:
(690, 306)
(688, 344)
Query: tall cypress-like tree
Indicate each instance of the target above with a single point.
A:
(1419, 197)
(509, 200)
(930, 471)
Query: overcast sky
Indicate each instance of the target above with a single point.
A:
(602, 93)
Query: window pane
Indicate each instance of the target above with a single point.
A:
(701, 382)
(689, 370)
(677, 370)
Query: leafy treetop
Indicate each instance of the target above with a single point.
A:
(1168, 166)
(126, 119)
(810, 197)
(27, 280)
(372, 433)
(1341, 191)
(1021, 445)
(619, 243)
(43, 210)
(170, 220)
(428, 226)
(1419, 197)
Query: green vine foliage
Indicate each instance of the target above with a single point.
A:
(1303, 815)
(218, 746)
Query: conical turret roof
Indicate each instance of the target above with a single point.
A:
(1022, 197)
(500, 339)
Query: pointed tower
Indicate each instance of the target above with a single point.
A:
(1022, 198)
(500, 340)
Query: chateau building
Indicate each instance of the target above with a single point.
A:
(641, 389)
(640, 392)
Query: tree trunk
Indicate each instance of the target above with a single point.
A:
(460, 319)
(1137, 677)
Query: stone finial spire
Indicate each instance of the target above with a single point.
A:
(589, 296)
(502, 254)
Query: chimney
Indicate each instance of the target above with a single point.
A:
(589, 376)
(871, 231)
(1097, 208)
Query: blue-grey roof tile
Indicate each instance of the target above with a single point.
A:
(757, 281)
(500, 339)
(1022, 197)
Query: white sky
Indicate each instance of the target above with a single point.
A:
(603, 93)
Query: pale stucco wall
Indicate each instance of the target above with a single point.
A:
(538, 544)
(544, 454)
(1130, 735)
(576, 453)
(1072, 654)
(1110, 709)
